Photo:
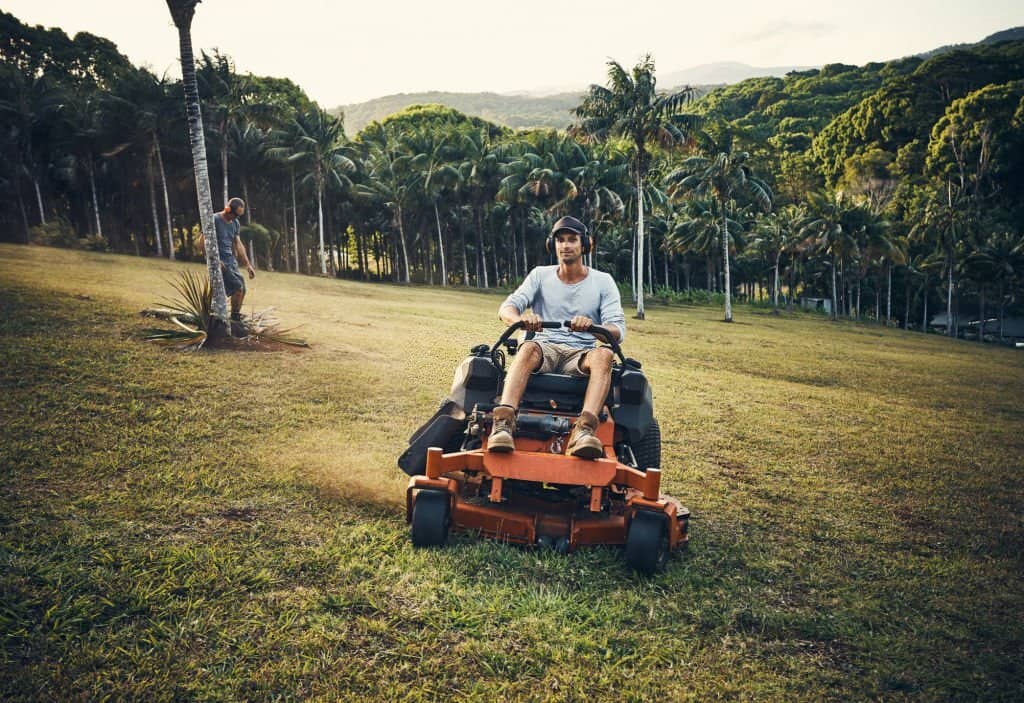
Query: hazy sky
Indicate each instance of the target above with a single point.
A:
(346, 52)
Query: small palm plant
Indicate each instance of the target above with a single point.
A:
(192, 314)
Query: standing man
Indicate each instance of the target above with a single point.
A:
(567, 291)
(229, 246)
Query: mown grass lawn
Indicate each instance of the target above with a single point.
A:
(229, 526)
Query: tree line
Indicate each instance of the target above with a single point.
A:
(892, 190)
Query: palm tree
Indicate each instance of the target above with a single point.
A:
(433, 157)
(724, 175)
(226, 93)
(479, 173)
(182, 12)
(600, 183)
(824, 231)
(630, 107)
(318, 148)
(140, 109)
(29, 112)
(392, 182)
(250, 151)
(941, 222)
(999, 260)
(697, 230)
(771, 239)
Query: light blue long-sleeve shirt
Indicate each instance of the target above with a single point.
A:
(596, 296)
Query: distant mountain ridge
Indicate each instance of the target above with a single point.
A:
(724, 72)
(533, 109)
(1014, 34)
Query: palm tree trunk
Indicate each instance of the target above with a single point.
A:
(167, 200)
(295, 221)
(924, 318)
(727, 284)
(90, 169)
(320, 227)
(440, 247)
(224, 161)
(152, 205)
(650, 268)
(906, 309)
(248, 221)
(526, 264)
(709, 266)
(888, 293)
(1002, 309)
(39, 201)
(202, 175)
(834, 312)
(465, 256)
(775, 284)
(24, 212)
(950, 328)
(481, 256)
(981, 315)
(632, 265)
(639, 290)
(401, 238)
(513, 252)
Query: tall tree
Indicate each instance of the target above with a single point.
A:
(319, 150)
(724, 174)
(630, 107)
(825, 231)
(182, 12)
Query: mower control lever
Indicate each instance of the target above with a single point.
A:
(601, 333)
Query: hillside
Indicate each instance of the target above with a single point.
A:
(552, 111)
(508, 110)
(229, 526)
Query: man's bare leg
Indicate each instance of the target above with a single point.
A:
(583, 441)
(503, 427)
(524, 363)
(598, 365)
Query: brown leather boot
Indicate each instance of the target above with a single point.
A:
(583, 442)
(503, 428)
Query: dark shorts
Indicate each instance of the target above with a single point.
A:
(234, 281)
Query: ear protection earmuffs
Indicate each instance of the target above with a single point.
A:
(549, 243)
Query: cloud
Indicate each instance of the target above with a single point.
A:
(787, 30)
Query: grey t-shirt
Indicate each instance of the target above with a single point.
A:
(226, 233)
(596, 296)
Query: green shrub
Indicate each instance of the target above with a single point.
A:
(55, 233)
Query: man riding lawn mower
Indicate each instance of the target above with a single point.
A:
(563, 448)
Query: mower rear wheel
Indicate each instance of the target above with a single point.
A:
(430, 518)
(647, 543)
(648, 450)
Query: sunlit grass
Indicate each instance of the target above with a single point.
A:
(227, 525)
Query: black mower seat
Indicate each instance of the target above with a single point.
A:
(557, 383)
(546, 391)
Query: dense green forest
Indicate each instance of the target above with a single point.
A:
(895, 189)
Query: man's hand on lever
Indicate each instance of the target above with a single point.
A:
(580, 323)
(531, 323)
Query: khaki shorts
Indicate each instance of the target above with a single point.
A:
(561, 358)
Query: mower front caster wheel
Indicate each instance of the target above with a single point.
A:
(647, 543)
(430, 518)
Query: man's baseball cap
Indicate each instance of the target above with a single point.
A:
(569, 224)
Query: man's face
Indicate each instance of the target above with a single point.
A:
(238, 210)
(568, 246)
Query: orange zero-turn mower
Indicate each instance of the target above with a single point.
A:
(537, 494)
